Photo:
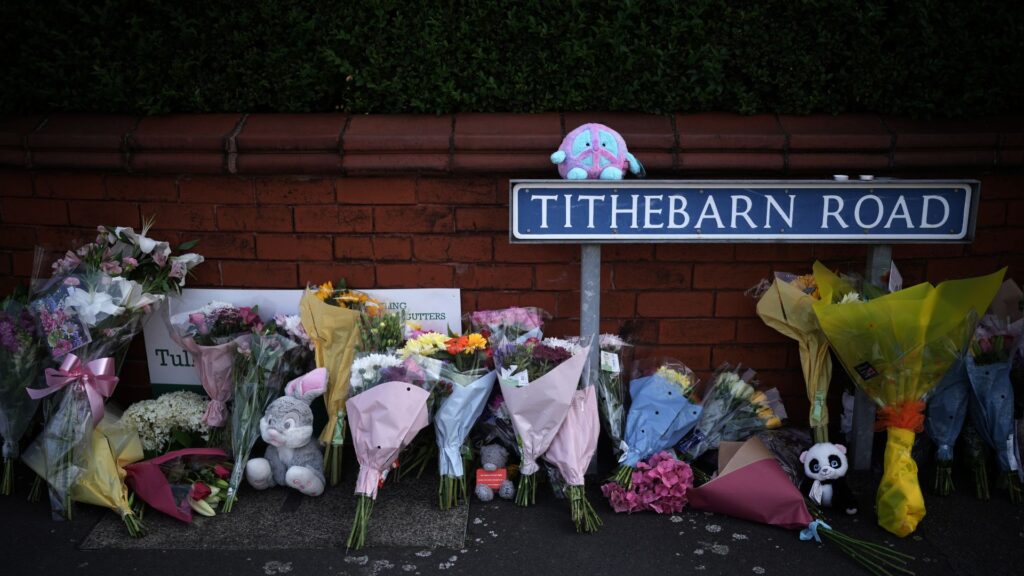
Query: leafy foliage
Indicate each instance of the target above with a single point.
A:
(919, 57)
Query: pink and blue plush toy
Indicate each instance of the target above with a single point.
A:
(596, 152)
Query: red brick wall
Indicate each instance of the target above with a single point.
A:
(279, 201)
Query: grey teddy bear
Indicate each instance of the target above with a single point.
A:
(287, 428)
(494, 456)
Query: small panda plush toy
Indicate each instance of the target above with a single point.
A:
(825, 466)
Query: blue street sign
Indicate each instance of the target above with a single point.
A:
(850, 212)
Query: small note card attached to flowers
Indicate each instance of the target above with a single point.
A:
(509, 377)
(610, 362)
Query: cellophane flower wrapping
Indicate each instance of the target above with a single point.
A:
(537, 383)
(896, 348)
(664, 407)
(734, 409)
(333, 328)
(787, 306)
(89, 311)
(465, 383)
(260, 369)
(571, 451)
(22, 359)
(659, 483)
(513, 325)
(165, 482)
(98, 469)
(387, 409)
(212, 334)
(947, 408)
(992, 400)
(611, 388)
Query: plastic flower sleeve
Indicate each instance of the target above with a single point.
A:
(384, 419)
(571, 450)
(454, 418)
(22, 357)
(510, 325)
(334, 332)
(258, 377)
(896, 348)
(947, 408)
(991, 407)
(58, 454)
(789, 310)
(164, 482)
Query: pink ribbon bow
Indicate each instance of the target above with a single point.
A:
(96, 378)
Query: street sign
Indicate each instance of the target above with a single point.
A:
(849, 212)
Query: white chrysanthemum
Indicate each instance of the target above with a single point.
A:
(365, 369)
(214, 306)
(567, 345)
(612, 342)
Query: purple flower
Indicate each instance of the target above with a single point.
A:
(111, 267)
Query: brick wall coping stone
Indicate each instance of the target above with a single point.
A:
(678, 145)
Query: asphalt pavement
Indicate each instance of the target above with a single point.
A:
(287, 534)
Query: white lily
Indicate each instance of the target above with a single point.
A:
(131, 294)
(89, 305)
(180, 265)
(160, 250)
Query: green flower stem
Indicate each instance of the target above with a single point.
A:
(1014, 487)
(5, 484)
(981, 489)
(332, 463)
(37, 489)
(526, 492)
(364, 508)
(944, 478)
(875, 558)
(583, 514)
(623, 477)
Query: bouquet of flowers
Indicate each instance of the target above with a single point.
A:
(572, 449)
(508, 326)
(463, 389)
(93, 305)
(786, 306)
(331, 318)
(991, 401)
(212, 334)
(537, 382)
(611, 390)
(751, 485)
(660, 483)
(947, 408)
(388, 407)
(173, 419)
(111, 447)
(734, 409)
(260, 366)
(897, 348)
(182, 482)
(22, 355)
(664, 407)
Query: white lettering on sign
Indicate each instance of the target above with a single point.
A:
(924, 212)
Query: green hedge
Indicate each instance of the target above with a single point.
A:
(913, 57)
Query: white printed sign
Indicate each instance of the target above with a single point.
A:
(438, 309)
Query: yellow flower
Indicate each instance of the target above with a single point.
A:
(676, 377)
(475, 342)
(324, 291)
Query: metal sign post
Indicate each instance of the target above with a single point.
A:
(876, 212)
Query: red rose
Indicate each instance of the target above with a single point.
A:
(221, 472)
(200, 491)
